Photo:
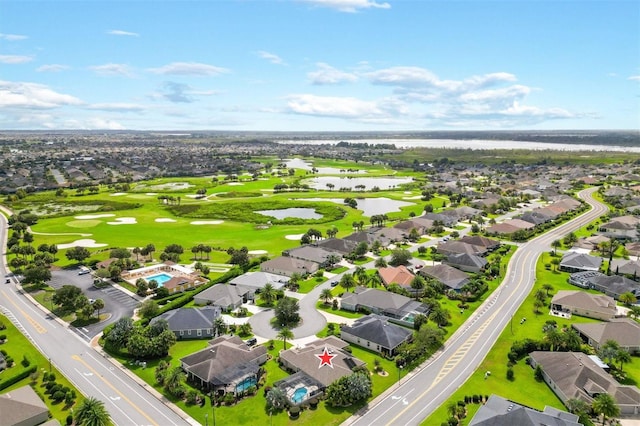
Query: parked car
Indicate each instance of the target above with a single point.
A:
(252, 341)
(334, 283)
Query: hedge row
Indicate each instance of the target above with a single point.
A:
(15, 379)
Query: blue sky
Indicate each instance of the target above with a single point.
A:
(314, 65)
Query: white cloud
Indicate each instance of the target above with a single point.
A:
(52, 68)
(13, 37)
(98, 123)
(403, 76)
(271, 57)
(116, 106)
(328, 106)
(189, 68)
(112, 70)
(326, 74)
(180, 92)
(123, 33)
(349, 6)
(32, 95)
(634, 78)
(15, 59)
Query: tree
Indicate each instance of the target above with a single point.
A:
(118, 336)
(605, 404)
(34, 274)
(400, 257)
(439, 316)
(628, 298)
(161, 371)
(149, 309)
(555, 244)
(98, 305)
(361, 276)
(219, 326)
(417, 284)
(547, 288)
(174, 381)
(77, 253)
(267, 294)
(286, 311)
(284, 334)
(276, 399)
(141, 287)
(326, 296)
(92, 412)
(349, 390)
(380, 263)
(66, 297)
(623, 357)
(580, 408)
(375, 280)
(609, 350)
(347, 282)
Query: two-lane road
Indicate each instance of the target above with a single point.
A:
(128, 401)
(431, 385)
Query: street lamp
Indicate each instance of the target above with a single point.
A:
(399, 372)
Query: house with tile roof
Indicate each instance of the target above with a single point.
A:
(574, 375)
(498, 411)
(376, 333)
(191, 323)
(396, 275)
(625, 331)
(481, 241)
(451, 277)
(287, 266)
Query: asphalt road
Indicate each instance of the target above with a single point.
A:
(426, 388)
(127, 400)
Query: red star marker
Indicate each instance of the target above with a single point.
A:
(325, 358)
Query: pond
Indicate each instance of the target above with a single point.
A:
(299, 163)
(298, 212)
(351, 183)
(369, 206)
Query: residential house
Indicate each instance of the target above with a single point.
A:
(633, 248)
(446, 219)
(498, 411)
(306, 359)
(466, 262)
(630, 268)
(573, 375)
(227, 297)
(573, 261)
(252, 282)
(481, 241)
(420, 224)
(396, 275)
(313, 253)
(509, 227)
(614, 285)
(457, 247)
(191, 323)
(22, 407)
(624, 331)
(287, 266)
(398, 308)
(181, 283)
(591, 243)
(228, 364)
(621, 227)
(339, 245)
(451, 277)
(369, 236)
(584, 304)
(375, 333)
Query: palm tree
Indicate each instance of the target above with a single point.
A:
(555, 244)
(360, 275)
(628, 298)
(375, 280)
(326, 295)
(219, 326)
(605, 404)
(97, 305)
(547, 288)
(91, 412)
(580, 408)
(347, 281)
(283, 335)
(173, 381)
(623, 357)
(609, 350)
(417, 284)
(439, 316)
(268, 294)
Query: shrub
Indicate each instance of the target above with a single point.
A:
(15, 379)
(58, 396)
(229, 398)
(25, 361)
(3, 337)
(69, 420)
(510, 374)
(294, 412)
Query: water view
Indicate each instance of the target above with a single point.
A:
(299, 163)
(367, 184)
(298, 212)
(369, 206)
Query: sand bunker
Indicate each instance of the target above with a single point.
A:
(123, 221)
(415, 197)
(151, 193)
(94, 216)
(235, 184)
(257, 252)
(293, 237)
(117, 194)
(207, 222)
(164, 219)
(82, 243)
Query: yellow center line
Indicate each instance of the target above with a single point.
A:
(77, 358)
(39, 328)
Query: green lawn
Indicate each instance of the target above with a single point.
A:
(18, 346)
(309, 284)
(340, 312)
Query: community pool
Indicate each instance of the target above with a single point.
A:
(159, 278)
(299, 395)
(245, 384)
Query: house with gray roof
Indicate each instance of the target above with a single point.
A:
(456, 247)
(614, 285)
(369, 236)
(598, 306)
(256, 280)
(451, 277)
(340, 245)
(227, 297)
(498, 411)
(287, 266)
(306, 359)
(191, 323)
(376, 333)
(466, 262)
(228, 364)
(625, 331)
(312, 253)
(630, 268)
(573, 261)
(481, 241)
(621, 227)
(574, 375)
(397, 307)
(420, 224)
(22, 407)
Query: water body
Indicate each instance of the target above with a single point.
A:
(299, 212)
(299, 163)
(369, 206)
(474, 144)
(351, 183)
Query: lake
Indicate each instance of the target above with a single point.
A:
(369, 206)
(351, 183)
(299, 163)
(299, 212)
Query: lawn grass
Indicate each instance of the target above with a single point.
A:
(524, 389)
(339, 312)
(18, 346)
(309, 284)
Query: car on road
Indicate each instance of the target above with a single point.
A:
(83, 270)
(7, 281)
(334, 283)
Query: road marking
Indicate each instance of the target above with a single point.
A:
(39, 328)
(80, 360)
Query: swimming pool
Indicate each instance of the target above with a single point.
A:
(299, 395)
(245, 384)
(159, 278)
